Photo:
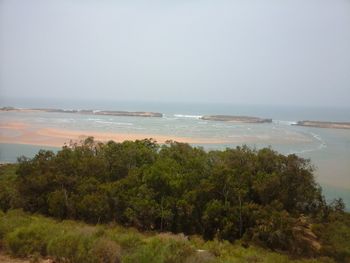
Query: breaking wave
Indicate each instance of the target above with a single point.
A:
(289, 123)
(115, 123)
(188, 116)
(321, 145)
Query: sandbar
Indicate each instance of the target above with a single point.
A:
(25, 133)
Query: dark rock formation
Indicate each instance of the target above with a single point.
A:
(238, 119)
(324, 124)
(90, 112)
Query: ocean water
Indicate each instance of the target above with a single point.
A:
(328, 149)
(10, 152)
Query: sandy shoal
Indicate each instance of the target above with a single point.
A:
(16, 132)
(25, 133)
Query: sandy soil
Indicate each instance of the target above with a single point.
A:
(4, 258)
(7, 259)
(25, 133)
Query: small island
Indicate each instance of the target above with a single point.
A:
(128, 113)
(236, 119)
(88, 112)
(324, 124)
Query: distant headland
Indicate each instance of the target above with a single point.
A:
(324, 124)
(89, 112)
(237, 119)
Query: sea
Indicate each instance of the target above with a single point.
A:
(328, 149)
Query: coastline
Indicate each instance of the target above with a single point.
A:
(25, 133)
(86, 112)
(20, 131)
(235, 119)
(324, 124)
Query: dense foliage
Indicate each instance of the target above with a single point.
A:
(34, 236)
(258, 196)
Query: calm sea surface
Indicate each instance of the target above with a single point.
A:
(328, 149)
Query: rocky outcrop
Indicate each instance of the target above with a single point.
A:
(90, 112)
(237, 119)
(7, 108)
(128, 113)
(324, 124)
(305, 237)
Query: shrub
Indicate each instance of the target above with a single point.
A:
(106, 251)
(28, 240)
(335, 237)
(11, 220)
(128, 240)
(57, 204)
(71, 247)
(158, 250)
(9, 197)
(201, 257)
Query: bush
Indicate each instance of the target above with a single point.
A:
(28, 240)
(71, 241)
(201, 257)
(106, 251)
(335, 237)
(71, 247)
(12, 220)
(128, 240)
(159, 250)
(9, 196)
(57, 204)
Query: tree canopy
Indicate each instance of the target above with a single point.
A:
(241, 193)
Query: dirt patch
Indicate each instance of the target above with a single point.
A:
(5, 258)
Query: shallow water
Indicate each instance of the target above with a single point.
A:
(329, 149)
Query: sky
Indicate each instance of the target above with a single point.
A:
(273, 52)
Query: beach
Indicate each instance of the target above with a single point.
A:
(17, 131)
(26, 133)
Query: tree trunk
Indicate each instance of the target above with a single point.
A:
(240, 216)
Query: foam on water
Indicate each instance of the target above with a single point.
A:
(188, 116)
(303, 151)
(66, 120)
(321, 145)
(165, 117)
(316, 136)
(289, 123)
(115, 123)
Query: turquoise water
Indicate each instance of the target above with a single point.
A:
(329, 149)
(10, 152)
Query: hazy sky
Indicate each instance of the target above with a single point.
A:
(243, 51)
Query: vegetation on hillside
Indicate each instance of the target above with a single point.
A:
(259, 197)
(35, 236)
